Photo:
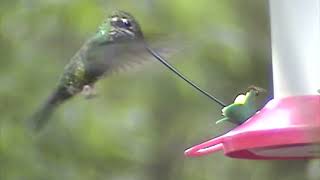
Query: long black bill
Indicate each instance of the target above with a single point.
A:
(173, 69)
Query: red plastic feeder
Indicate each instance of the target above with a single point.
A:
(288, 128)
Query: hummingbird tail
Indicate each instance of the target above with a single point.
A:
(42, 115)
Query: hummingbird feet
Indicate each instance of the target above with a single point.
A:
(89, 91)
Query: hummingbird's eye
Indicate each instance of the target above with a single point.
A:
(126, 22)
(121, 22)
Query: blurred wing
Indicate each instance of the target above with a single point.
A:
(128, 55)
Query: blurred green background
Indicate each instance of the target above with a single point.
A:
(145, 117)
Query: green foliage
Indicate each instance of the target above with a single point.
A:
(143, 118)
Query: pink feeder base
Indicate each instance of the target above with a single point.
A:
(287, 128)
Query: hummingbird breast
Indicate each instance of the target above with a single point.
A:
(93, 62)
(105, 59)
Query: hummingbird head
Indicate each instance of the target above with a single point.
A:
(119, 26)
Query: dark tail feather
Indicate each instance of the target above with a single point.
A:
(42, 116)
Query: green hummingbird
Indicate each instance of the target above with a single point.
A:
(101, 54)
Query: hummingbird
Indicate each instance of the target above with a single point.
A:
(100, 55)
(104, 52)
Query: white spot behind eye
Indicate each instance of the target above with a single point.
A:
(114, 19)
